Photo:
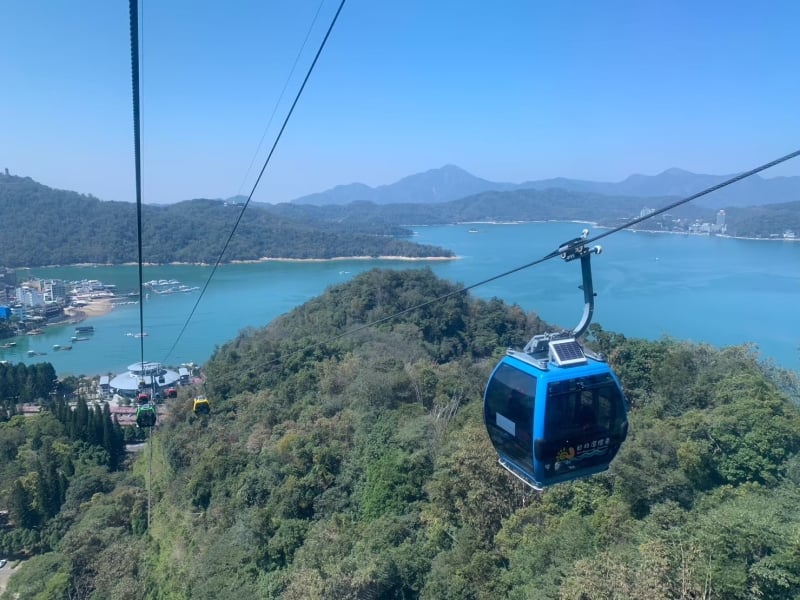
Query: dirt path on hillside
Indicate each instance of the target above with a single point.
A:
(6, 572)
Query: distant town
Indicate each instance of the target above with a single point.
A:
(28, 306)
(668, 223)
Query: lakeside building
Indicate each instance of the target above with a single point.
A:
(18, 312)
(30, 297)
(8, 281)
(105, 386)
(54, 291)
(646, 211)
(38, 302)
(154, 375)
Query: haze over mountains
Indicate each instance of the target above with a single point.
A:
(452, 183)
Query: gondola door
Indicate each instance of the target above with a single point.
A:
(509, 404)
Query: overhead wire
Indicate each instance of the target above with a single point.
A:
(258, 179)
(133, 6)
(134, 31)
(280, 96)
(564, 248)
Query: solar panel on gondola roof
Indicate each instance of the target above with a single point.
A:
(567, 352)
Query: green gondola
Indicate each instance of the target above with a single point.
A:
(146, 416)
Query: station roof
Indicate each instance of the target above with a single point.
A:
(148, 372)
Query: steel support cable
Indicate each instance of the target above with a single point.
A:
(134, 27)
(134, 30)
(258, 179)
(280, 96)
(150, 478)
(555, 253)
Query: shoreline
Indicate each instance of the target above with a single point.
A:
(341, 258)
(406, 258)
(244, 261)
(95, 308)
(598, 226)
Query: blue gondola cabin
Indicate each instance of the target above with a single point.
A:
(555, 416)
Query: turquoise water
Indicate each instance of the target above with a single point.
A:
(709, 289)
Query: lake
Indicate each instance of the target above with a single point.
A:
(707, 289)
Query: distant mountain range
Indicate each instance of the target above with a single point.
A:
(452, 183)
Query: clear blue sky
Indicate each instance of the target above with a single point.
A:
(508, 90)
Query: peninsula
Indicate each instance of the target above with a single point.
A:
(66, 228)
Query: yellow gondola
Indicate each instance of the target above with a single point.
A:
(201, 406)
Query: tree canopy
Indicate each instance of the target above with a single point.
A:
(43, 226)
(358, 466)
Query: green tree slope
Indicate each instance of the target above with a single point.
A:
(43, 226)
(358, 467)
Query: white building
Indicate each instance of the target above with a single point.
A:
(29, 297)
(154, 376)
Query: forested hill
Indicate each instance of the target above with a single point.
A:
(517, 205)
(358, 466)
(43, 226)
(764, 221)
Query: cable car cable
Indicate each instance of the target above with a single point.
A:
(145, 413)
(560, 251)
(280, 97)
(134, 30)
(258, 179)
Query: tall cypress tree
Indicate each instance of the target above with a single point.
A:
(20, 507)
(81, 421)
